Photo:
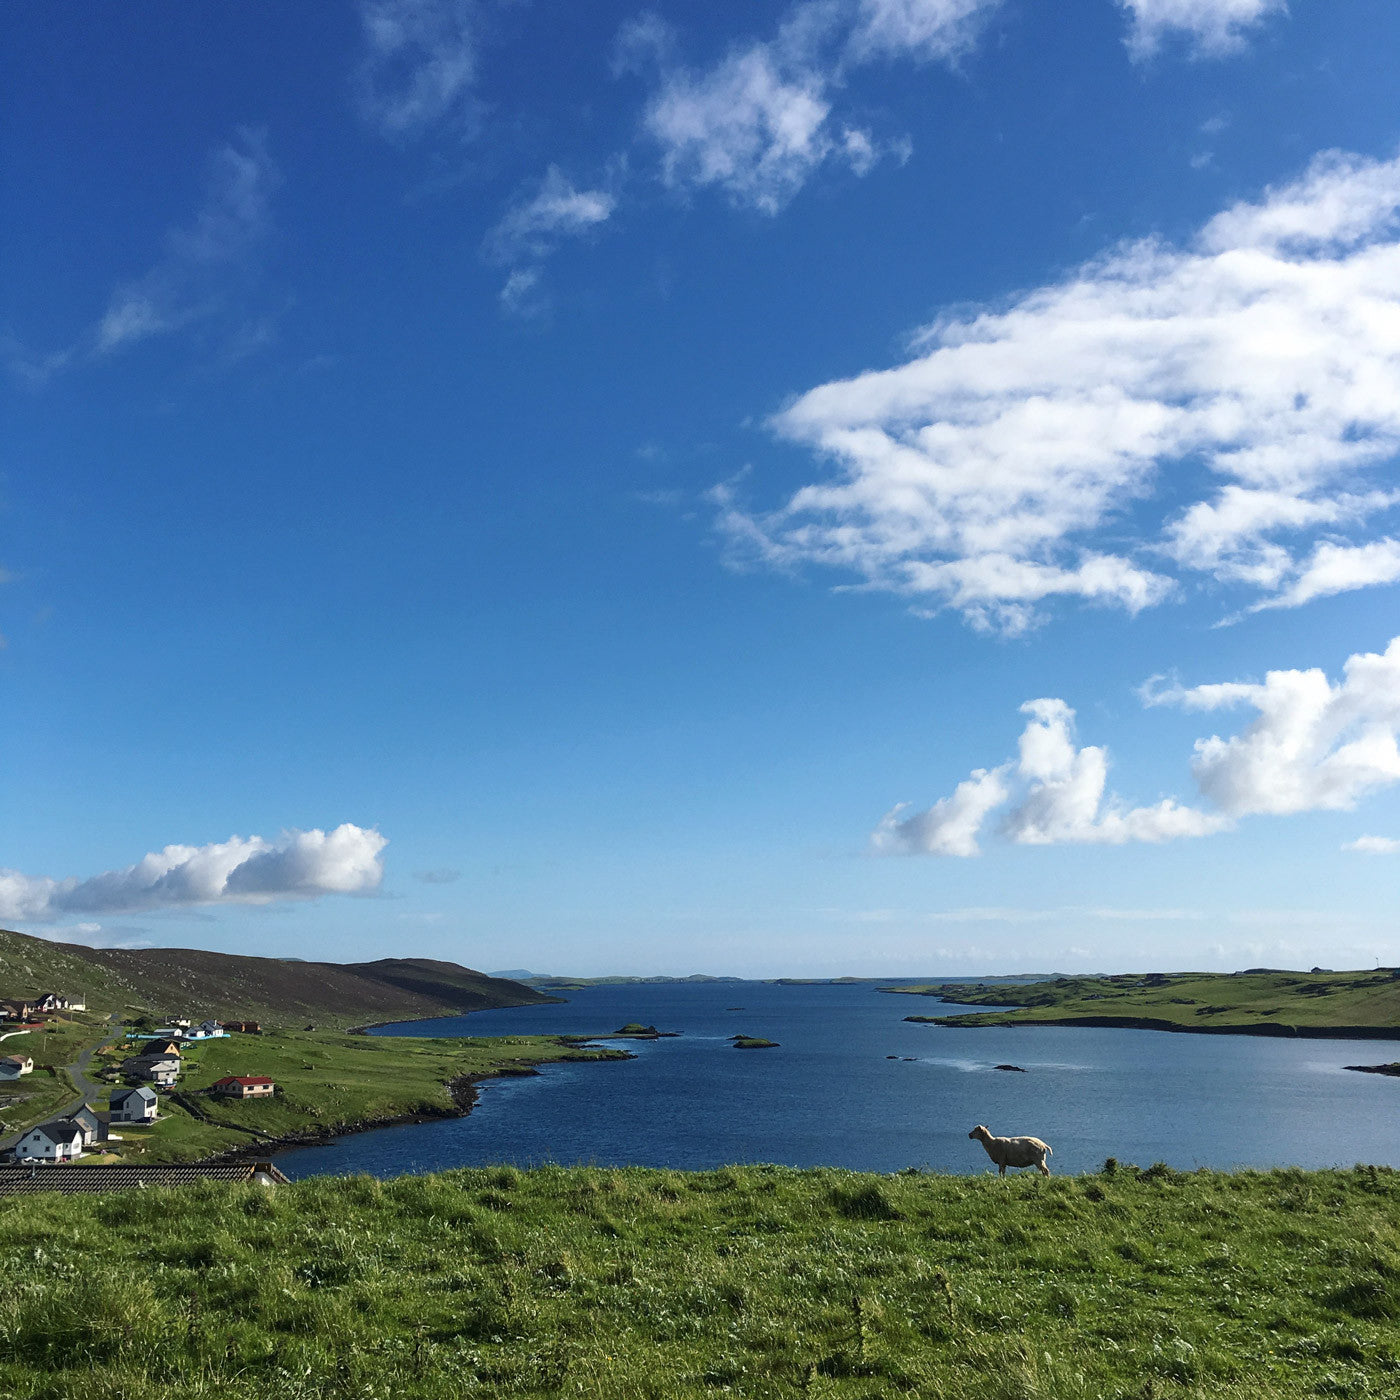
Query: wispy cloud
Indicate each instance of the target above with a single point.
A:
(241, 870)
(203, 267)
(1314, 745)
(761, 121)
(418, 67)
(533, 227)
(1212, 27)
(1016, 457)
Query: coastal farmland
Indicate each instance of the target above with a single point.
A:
(328, 1083)
(1260, 1002)
(757, 1281)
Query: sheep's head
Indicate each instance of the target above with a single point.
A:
(980, 1133)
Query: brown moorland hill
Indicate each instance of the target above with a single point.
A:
(169, 981)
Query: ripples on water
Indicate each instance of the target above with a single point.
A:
(830, 1096)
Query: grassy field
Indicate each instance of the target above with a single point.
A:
(328, 1082)
(1342, 1003)
(757, 1281)
(35, 1096)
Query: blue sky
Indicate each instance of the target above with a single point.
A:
(596, 489)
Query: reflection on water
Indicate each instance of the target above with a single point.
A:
(831, 1095)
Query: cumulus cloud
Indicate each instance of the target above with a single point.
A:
(1374, 845)
(248, 870)
(1028, 452)
(758, 123)
(1314, 745)
(1214, 27)
(419, 65)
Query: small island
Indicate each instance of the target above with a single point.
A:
(753, 1042)
(1392, 1069)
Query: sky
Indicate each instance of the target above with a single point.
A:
(875, 487)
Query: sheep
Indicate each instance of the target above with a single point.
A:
(1013, 1152)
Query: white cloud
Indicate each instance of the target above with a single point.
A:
(1374, 845)
(419, 65)
(1314, 745)
(557, 209)
(762, 120)
(1214, 26)
(523, 294)
(250, 870)
(950, 826)
(1024, 452)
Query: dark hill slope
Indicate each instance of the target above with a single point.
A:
(231, 986)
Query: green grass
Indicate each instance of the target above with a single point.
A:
(328, 1082)
(757, 1281)
(1358, 1003)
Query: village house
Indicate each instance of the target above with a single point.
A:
(16, 1010)
(206, 1030)
(161, 1045)
(161, 1069)
(134, 1105)
(243, 1027)
(12, 1066)
(243, 1086)
(87, 1121)
(51, 1142)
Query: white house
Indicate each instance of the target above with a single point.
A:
(51, 1142)
(12, 1066)
(134, 1105)
(206, 1030)
(161, 1069)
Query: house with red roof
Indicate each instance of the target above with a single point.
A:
(243, 1086)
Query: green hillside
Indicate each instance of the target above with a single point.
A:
(751, 1281)
(1258, 1002)
(170, 981)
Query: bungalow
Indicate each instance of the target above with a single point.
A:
(161, 1069)
(12, 1066)
(243, 1086)
(206, 1030)
(51, 1001)
(134, 1105)
(243, 1027)
(51, 1142)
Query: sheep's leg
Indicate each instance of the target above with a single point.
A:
(1001, 1169)
(1044, 1170)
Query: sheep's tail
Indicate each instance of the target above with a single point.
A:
(1049, 1151)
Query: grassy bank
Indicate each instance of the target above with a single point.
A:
(761, 1282)
(1364, 1005)
(328, 1083)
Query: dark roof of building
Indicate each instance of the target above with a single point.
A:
(59, 1130)
(17, 1180)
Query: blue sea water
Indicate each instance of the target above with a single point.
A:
(830, 1095)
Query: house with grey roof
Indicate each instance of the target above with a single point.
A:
(134, 1105)
(12, 1066)
(88, 1121)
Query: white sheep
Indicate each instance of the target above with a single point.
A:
(1013, 1152)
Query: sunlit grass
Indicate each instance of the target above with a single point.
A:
(752, 1281)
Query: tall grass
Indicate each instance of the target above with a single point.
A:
(756, 1281)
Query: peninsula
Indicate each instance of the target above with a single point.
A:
(1361, 1005)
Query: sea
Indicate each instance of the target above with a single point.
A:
(852, 1084)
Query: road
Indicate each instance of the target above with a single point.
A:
(77, 1072)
